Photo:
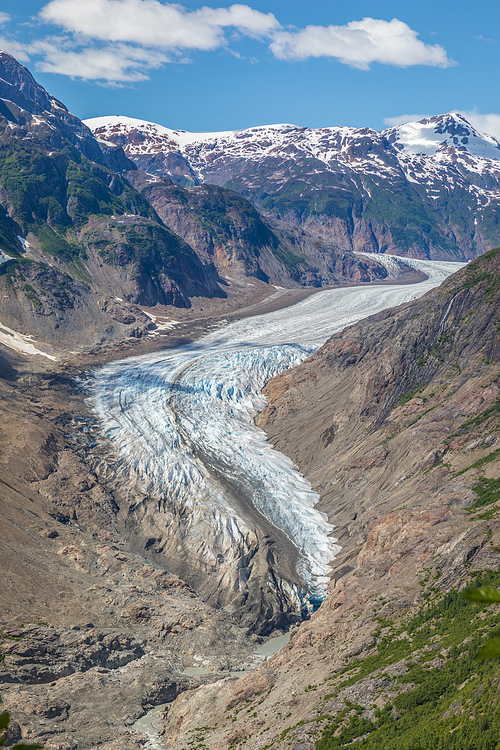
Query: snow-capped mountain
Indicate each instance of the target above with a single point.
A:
(424, 188)
(433, 137)
(86, 237)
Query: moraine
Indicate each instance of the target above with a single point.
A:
(180, 423)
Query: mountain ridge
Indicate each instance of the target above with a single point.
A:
(395, 421)
(426, 189)
(84, 247)
(151, 137)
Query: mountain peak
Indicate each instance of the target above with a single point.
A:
(24, 102)
(18, 86)
(433, 134)
(319, 177)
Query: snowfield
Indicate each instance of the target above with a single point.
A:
(181, 422)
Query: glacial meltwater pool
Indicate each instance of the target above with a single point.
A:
(150, 723)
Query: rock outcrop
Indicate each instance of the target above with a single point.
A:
(83, 233)
(228, 232)
(74, 232)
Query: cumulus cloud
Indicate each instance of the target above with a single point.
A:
(484, 123)
(155, 24)
(10, 45)
(120, 40)
(16, 49)
(119, 63)
(361, 43)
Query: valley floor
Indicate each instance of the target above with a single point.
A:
(110, 620)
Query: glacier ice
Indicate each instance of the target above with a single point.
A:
(181, 423)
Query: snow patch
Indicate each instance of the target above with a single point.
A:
(20, 343)
(442, 150)
(427, 137)
(23, 242)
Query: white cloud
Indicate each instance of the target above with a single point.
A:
(403, 119)
(154, 24)
(242, 17)
(361, 43)
(16, 49)
(120, 40)
(484, 123)
(119, 63)
(10, 45)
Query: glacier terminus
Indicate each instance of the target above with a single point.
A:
(200, 474)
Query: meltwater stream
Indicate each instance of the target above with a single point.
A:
(181, 421)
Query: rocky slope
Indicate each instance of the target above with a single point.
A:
(93, 631)
(226, 231)
(395, 421)
(96, 629)
(75, 235)
(82, 247)
(426, 189)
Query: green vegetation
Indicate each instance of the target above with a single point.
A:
(411, 394)
(4, 728)
(481, 417)
(54, 244)
(8, 239)
(289, 259)
(331, 203)
(477, 273)
(151, 247)
(24, 170)
(411, 221)
(72, 205)
(32, 295)
(489, 223)
(450, 705)
(488, 492)
(227, 217)
(487, 595)
(77, 268)
(13, 269)
(88, 192)
(52, 193)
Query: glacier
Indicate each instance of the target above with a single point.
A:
(181, 426)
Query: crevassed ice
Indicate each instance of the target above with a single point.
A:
(181, 419)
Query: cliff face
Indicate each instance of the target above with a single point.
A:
(228, 232)
(86, 239)
(395, 421)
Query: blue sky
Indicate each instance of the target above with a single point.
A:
(220, 66)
